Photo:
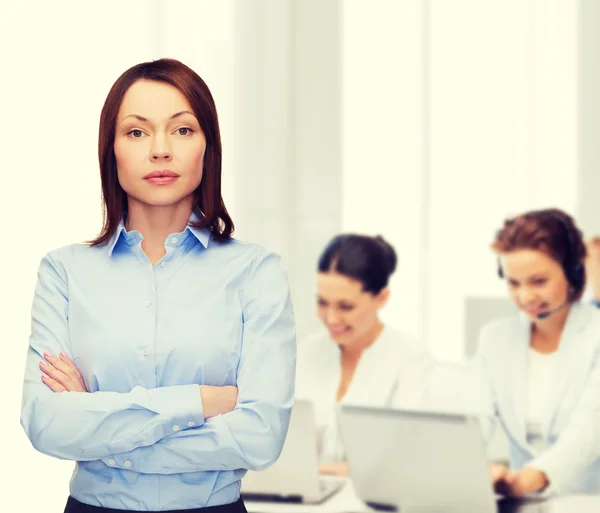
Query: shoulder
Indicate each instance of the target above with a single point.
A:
(317, 360)
(586, 318)
(590, 314)
(315, 343)
(66, 258)
(317, 353)
(251, 256)
(401, 342)
(499, 335)
(500, 328)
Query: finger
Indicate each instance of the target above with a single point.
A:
(71, 372)
(53, 385)
(67, 361)
(56, 375)
(58, 364)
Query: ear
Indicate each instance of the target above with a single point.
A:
(382, 297)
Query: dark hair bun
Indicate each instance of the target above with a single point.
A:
(370, 260)
(389, 254)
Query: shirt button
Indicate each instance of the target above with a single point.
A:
(174, 240)
(111, 462)
(163, 264)
(128, 463)
(175, 427)
(148, 303)
(191, 423)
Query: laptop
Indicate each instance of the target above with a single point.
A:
(294, 477)
(417, 461)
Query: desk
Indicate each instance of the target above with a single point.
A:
(345, 501)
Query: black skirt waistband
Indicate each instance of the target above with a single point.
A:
(74, 506)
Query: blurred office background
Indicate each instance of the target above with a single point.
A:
(426, 121)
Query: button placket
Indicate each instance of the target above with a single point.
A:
(146, 364)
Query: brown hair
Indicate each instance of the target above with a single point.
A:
(208, 202)
(553, 232)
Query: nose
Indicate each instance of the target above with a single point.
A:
(526, 296)
(332, 316)
(160, 149)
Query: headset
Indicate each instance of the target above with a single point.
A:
(572, 266)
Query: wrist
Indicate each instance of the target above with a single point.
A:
(205, 398)
(543, 482)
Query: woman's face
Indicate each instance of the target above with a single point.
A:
(159, 146)
(536, 282)
(346, 310)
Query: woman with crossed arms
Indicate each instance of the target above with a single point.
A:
(162, 354)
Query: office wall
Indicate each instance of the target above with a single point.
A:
(385, 142)
(456, 114)
(588, 84)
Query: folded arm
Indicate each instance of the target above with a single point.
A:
(87, 426)
(252, 435)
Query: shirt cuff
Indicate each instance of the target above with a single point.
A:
(182, 403)
(553, 475)
(182, 407)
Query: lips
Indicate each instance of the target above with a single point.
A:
(164, 173)
(535, 310)
(338, 331)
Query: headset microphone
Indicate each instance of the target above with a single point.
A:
(545, 315)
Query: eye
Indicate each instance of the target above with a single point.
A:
(346, 308)
(320, 302)
(184, 131)
(539, 281)
(135, 133)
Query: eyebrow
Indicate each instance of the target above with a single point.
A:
(142, 118)
(536, 276)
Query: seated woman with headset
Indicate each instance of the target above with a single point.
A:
(357, 359)
(539, 372)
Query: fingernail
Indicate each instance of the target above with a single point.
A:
(47, 355)
(44, 363)
(63, 354)
(44, 377)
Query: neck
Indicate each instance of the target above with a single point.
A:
(156, 223)
(546, 333)
(367, 340)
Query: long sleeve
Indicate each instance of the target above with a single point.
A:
(89, 426)
(252, 435)
(578, 446)
(482, 401)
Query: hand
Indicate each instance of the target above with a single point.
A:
(522, 482)
(61, 374)
(335, 469)
(218, 400)
(497, 472)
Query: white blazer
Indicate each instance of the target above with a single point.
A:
(393, 372)
(571, 423)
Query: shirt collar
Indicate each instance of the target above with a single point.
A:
(175, 239)
(202, 234)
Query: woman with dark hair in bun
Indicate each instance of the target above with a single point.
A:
(358, 359)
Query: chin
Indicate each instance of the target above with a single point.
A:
(162, 198)
(344, 340)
